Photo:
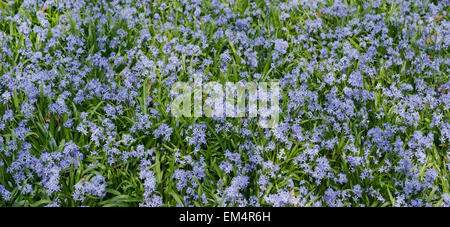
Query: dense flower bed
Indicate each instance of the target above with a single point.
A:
(85, 107)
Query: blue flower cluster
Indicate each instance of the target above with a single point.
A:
(85, 104)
